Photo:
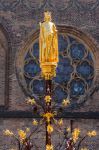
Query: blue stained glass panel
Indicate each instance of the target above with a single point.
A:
(62, 69)
(77, 87)
(62, 78)
(77, 51)
(38, 87)
(72, 39)
(31, 68)
(59, 94)
(62, 43)
(89, 82)
(89, 57)
(27, 55)
(63, 60)
(85, 70)
(36, 50)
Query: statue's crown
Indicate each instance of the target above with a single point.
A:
(47, 13)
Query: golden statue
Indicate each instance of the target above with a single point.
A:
(48, 41)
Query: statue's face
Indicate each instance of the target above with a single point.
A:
(47, 16)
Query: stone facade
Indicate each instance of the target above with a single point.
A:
(18, 20)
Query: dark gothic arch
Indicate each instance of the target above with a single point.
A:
(4, 65)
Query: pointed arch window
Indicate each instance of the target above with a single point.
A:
(4, 68)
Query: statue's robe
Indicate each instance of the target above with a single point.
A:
(48, 41)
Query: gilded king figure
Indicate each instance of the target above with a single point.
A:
(48, 41)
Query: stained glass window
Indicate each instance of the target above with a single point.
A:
(75, 71)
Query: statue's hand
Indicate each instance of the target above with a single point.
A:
(40, 23)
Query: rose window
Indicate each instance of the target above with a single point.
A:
(75, 71)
